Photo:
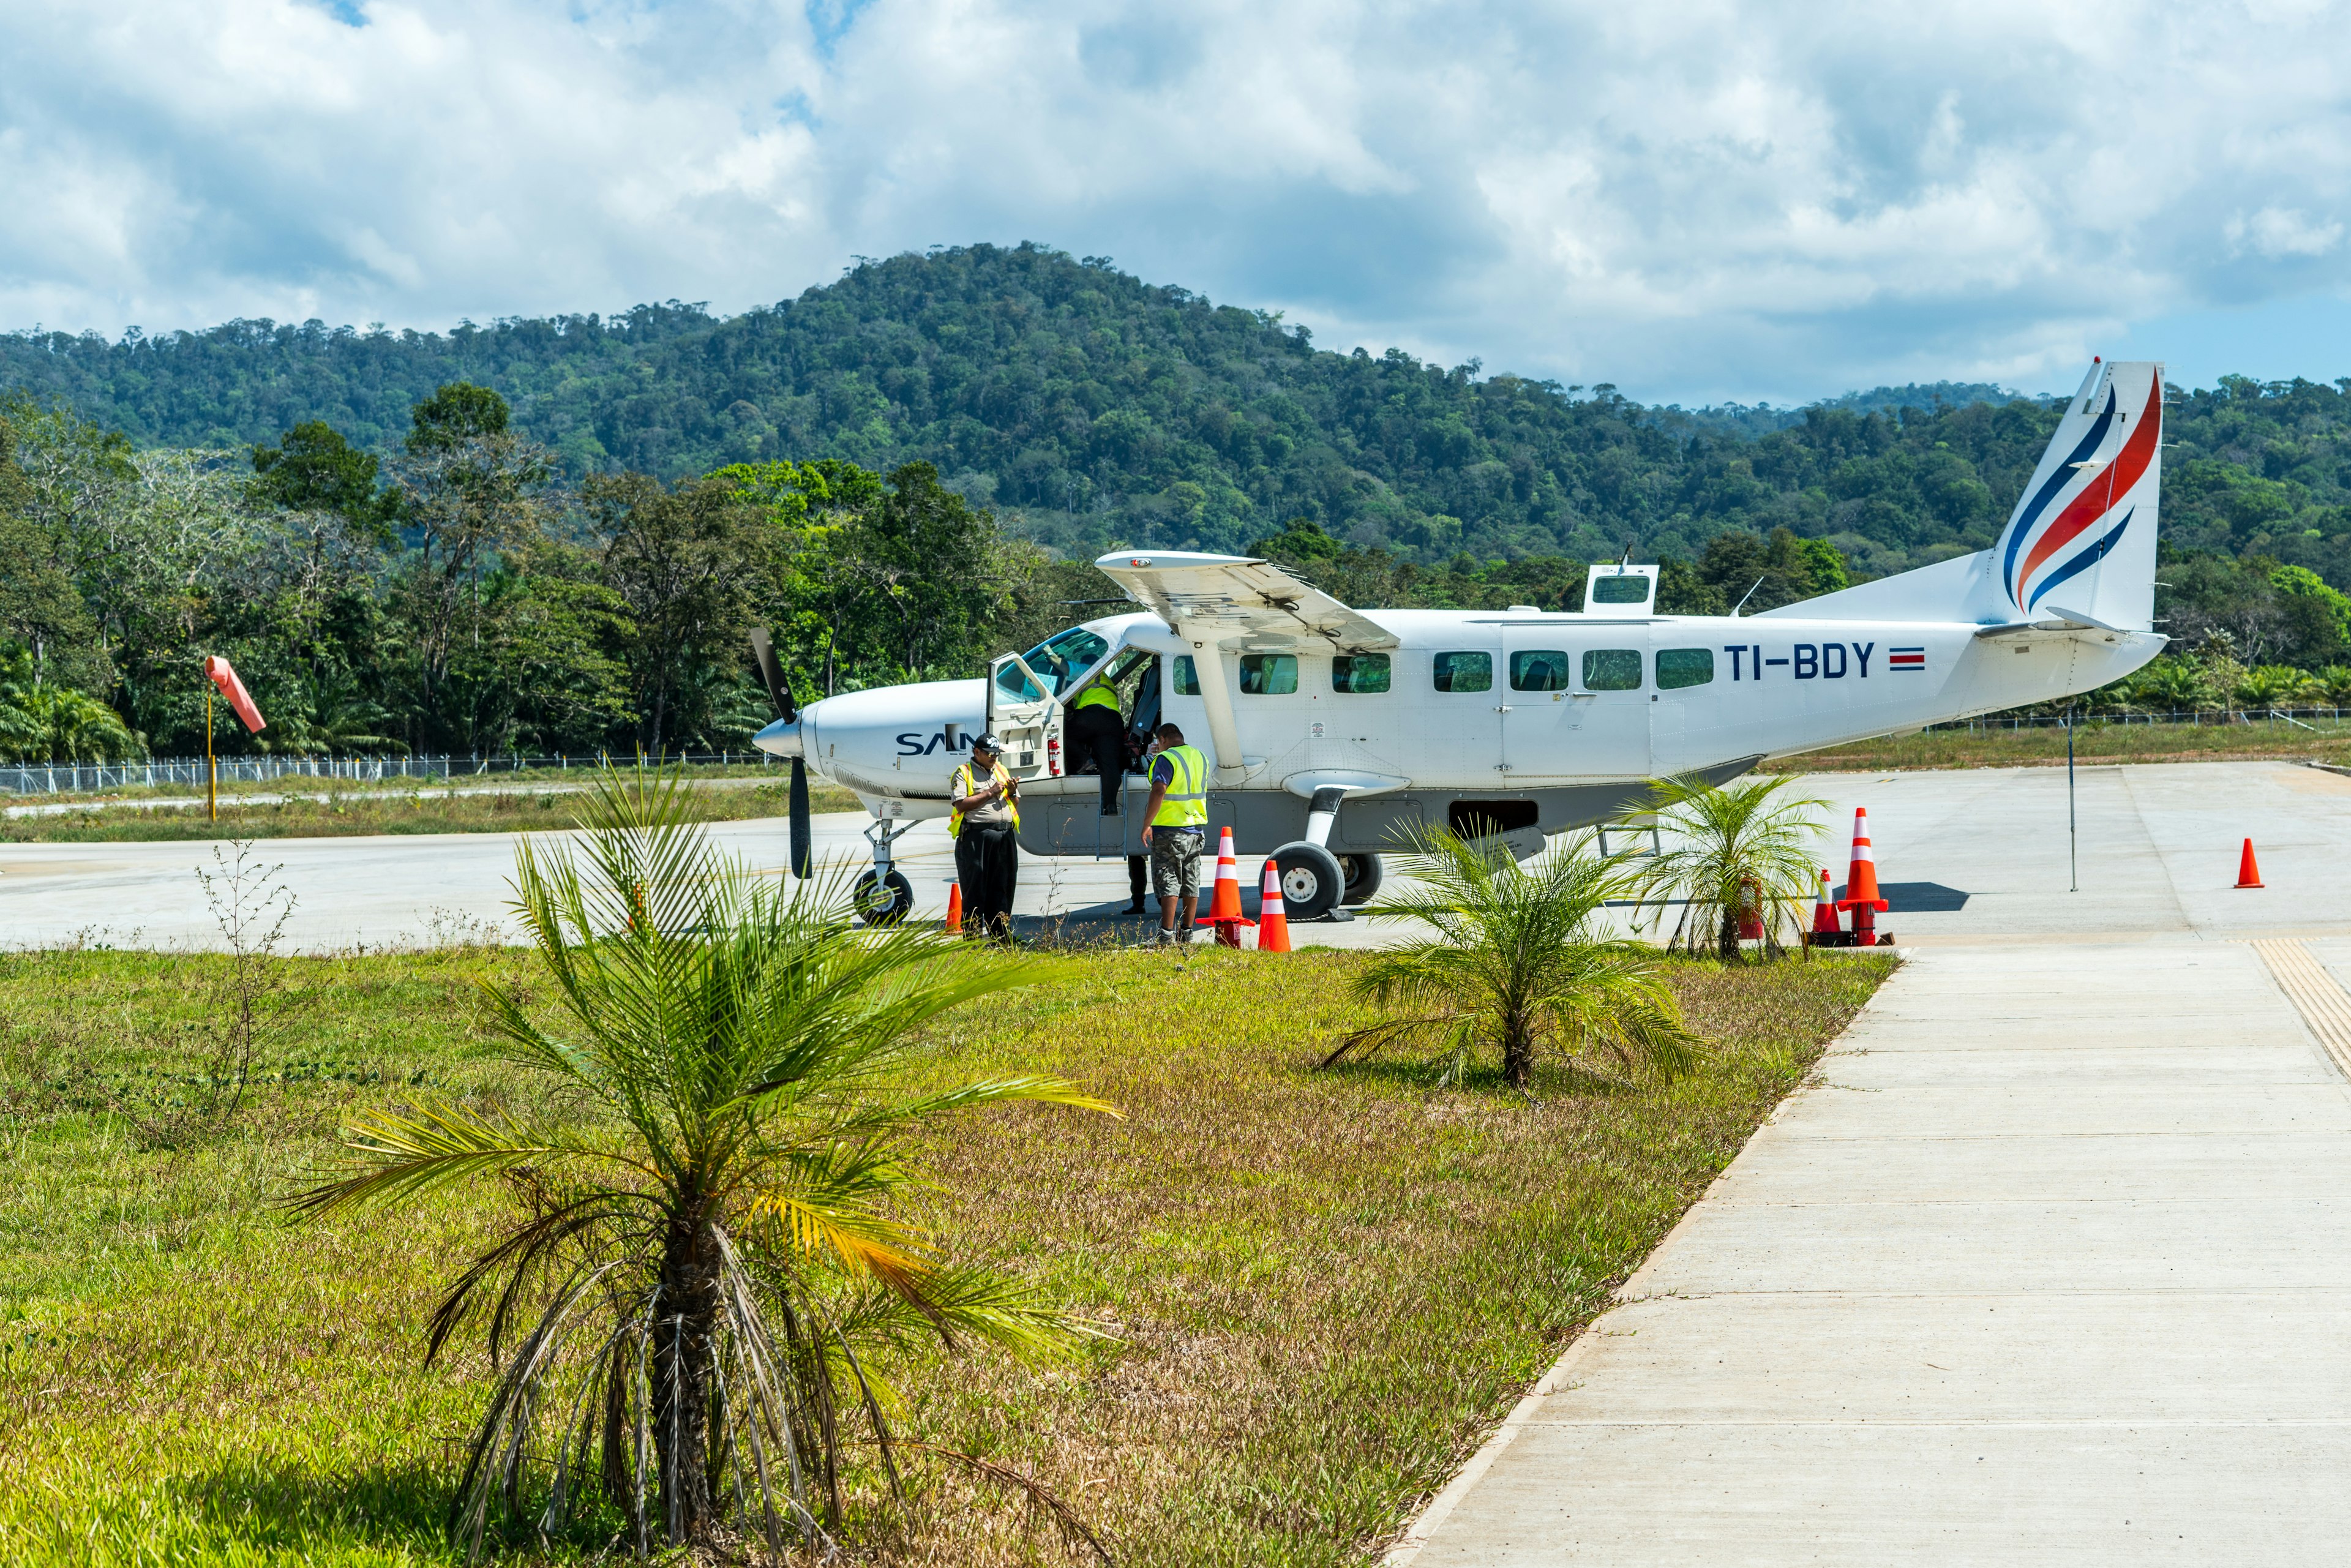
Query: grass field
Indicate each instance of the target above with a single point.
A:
(2324, 741)
(366, 810)
(1325, 1287)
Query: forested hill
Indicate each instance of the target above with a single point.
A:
(1093, 409)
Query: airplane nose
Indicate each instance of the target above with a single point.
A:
(781, 738)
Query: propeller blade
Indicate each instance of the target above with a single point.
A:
(773, 672)
(803, 831)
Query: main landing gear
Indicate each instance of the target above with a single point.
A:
(1315, 882)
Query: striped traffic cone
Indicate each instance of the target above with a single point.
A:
(1225, 907)
(1860, 894)
(1861, 881)
(1824, 920)
(1273, 924)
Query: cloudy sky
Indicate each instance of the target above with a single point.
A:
(1695, 202)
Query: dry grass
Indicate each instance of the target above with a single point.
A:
(1326, 1287)
(2324, 741)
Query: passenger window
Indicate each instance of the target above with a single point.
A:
(1269, 675)
(1187, 682)
(1465, 672)
(1360, 672)
(1679, 667)
(1540, 670)
(1631, 588)
(1014, 682)
(1611, 669)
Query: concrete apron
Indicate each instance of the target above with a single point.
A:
(2048, 1263)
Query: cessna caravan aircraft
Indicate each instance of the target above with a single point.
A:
(1335, 732)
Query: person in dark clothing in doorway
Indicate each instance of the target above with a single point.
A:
(1098, 733)
(984, 821)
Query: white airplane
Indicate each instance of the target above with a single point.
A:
(1335, 731)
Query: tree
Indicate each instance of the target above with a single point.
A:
(1729, 848)
(688, 564)
(468, 492)
(314, 469)
(455, 416)
(45, 723)
(687, 1306)
(1517, 964)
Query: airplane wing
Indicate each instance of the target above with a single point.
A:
(1240, 599)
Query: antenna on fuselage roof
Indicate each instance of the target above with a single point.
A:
(1742, 602)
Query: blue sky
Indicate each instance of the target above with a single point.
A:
(1694, 202)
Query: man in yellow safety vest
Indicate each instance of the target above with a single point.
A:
(1176, 828)
(1098, 733)
(984, 821)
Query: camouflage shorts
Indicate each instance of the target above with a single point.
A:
(1175, 862)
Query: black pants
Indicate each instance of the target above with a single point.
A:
(1134, 864)
(1097, 734)
(988, 864)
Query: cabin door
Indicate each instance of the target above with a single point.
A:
(1023, 714)
(1575, 702)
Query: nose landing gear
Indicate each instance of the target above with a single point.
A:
(882, 896)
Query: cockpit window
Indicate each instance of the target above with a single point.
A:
(1060, 659)
(1015, 683)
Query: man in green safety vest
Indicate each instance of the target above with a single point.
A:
(984, 821)
(1175, 826)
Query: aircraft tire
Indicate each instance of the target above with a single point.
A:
(1312, 883)
(883, 902)
(1362, 872)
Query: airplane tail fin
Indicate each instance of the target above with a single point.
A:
(2080, 545)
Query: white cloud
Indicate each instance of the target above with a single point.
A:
(2276, 232)
(1707, 199)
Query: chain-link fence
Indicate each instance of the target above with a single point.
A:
(188, 772)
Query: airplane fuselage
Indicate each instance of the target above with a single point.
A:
(1568, 713)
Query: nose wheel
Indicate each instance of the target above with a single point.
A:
(882, 900)
(882, 896)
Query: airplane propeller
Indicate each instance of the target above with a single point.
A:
(780, 694)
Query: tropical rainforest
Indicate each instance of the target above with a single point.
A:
(553, 534)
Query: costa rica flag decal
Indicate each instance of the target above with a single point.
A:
(1912, 659)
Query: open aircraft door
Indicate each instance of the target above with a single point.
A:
(1023, 713)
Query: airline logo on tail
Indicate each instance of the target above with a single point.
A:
(2047, 544)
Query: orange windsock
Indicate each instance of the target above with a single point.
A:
(955, 908)
(234, 690)
(2249, 869)
(1224, 908)
(1824, 909)
(1861, 881)
(1272, 923)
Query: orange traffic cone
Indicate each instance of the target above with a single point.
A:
(955, 908)
(1273, 924)
(1224, 908)
(2249, 871)
(1861, 881)
(1824, 912)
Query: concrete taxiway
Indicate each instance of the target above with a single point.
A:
(2049, 1262)
(1975, 856)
